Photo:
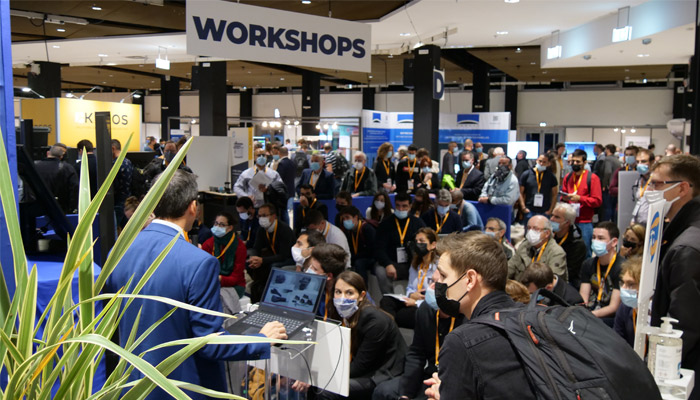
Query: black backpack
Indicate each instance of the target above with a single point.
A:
(568, 353)
(139, 183)
(301, 162)
(342, 166)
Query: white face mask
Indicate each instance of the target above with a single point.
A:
(358, 165)
(533, 237)
(297, 256)
(264, 222)
(379, 205)
(654, 196)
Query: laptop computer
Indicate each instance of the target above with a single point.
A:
(290, 297)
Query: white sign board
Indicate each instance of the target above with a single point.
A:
(238, 31)
(625, 198)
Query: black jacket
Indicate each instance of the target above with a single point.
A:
(380, 173)
(575, 250)
(420, 359)
(478, 361)
(284, 240)
(60, 178)
(452, 224)
(92, 171)
(301, 214)
(567, 292)
(380, 347)
(472, 185)
(403, 169)
(324, 185)
(388, 239)
(678, 282)
(448, 164)
(366, 241)
(156, 166)
(288, 172)
(434, 186)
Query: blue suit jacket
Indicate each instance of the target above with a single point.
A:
(325, 187)
(288, 173)
(189, 275)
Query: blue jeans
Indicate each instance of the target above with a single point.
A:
(586, 235)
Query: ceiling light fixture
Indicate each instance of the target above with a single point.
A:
(616, 129)
(70, 95)
(264, 124)
(405, 34)
(30, 90)
(501, 32)
(518, 50)
(623, 130)
(642, 55)
(633, 130)
(96, 8)
(417, 45)
(194, 121)
(305, 1)
(162, 63)
(60, 30)
(135, 94)
(543, 124)
(56, 46)
(103, 55)
(622, 33)
(512, 1)
(92, 89)
(296, 123)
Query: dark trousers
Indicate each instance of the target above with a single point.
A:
(390, 390)
(360, 389)
(363, 266)
(405, 316)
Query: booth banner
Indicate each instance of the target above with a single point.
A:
(242, 32)
(43, 113)
(379, 127)
(242, 147)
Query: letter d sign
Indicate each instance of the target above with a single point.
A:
(438, 84)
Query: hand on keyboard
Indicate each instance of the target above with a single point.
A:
(274, 330)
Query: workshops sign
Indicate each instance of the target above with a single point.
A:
(242, 32)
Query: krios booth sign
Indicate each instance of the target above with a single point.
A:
(397, 127)
(241, 32)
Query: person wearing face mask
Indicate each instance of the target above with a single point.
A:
(380, 208)
(476, 361)
(421, 203)
(377, 349)
(633, 241)
(469, 148)
(469, 179)
(393, 236)
(230, 250)
(423, 265)
(307, 201)
(469, 215)
(408, 171)
(243, 188)
(677, 179)
(568, 236)
(539, 246)
(317, 176)
(342, 199)
(158, 165)
(301, 251)
(314, 221)
(442, 219)
(600, 275)
(449, 160)
(361, 236)
(275, 157)
(492, 163)
(629, 164)
(384, 169)
(645, 161)
(582, 189)
(360, 180)
(538, 275)
(427, 178)
(432, 326)
(496, 228)
(502, 187)
(521, 163)
(247, 221)
(538, 190)
(610, 163)
(272, 249)
(626, 317)
(330, 260)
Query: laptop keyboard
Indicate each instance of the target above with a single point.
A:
(260, 318)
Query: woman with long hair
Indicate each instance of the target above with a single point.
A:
(421, 202)
(428, 179)
(633, 241)
(384, 169)
(381, 208)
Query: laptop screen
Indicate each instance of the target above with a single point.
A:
(294, 290)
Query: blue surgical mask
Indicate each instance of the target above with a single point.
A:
(540, 168)
(260, 161)
(315, 166)
(345, 307)
(629, 160)
(540, 298)
(348, 224)
(426, 170)
(430, 299)
(276, 157)
(401, 214)
(218, 231)
(555, 226)
(599, 247)
(489, 233)
(411, 157)
(479, 149)
(466, 164)
(388, 155)
(243, 216)
(453, 207)
(642, 169)
(628, 297)
(443, 210)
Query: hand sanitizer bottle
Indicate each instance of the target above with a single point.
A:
(665, 351)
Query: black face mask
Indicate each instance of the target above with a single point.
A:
(576, 167)
(628, 244)
(310, 201)
(501, 173)
(448, 306)
(337, 206)
(421, 249)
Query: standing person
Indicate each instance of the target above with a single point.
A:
(274, 157)
(317, 176)
(230, 251)
(502, 187)
(562, 165)
(469, 179)
(633, 241)
(493, 162)
(583, 191)
(361, 236)
(158, 165)
(677, 180)
(521, 163)
(469, 148)
(449, 160)
(330, 158)
(243, 188)
(539, 247)
(408, 171)
(538, 190)
(184, 264)
(568, 237)
(645, 161)
(598, 167)
(150, 144)
(85, 146)
(630, 164)
(360, 180)
(122, 182)
(611, 163)
(626, 317)
(442, 219)
(287, 172)
(60, 178)
(384, 169)
(301, 158)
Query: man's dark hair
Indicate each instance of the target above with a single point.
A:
(538, 273)
(580, 153)
(474, 250)
(402, 196)
(510, 160)
(85, 145)
(559, 146)
(307, 187)
(331, 257)
(524, 153)
(345, 195)
(611, 227)
(244, 202)
(313, 217)
(228, 216)
(180, 192)
(351, 211)
(599, 147)
(314, 238)
(116, 144)
(651, 146)
(684, 167)
(412, 147)
(611, 148)
(271, 207)
(635, 149)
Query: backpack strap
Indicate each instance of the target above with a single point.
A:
(555, 298)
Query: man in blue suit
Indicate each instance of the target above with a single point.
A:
(189, 275)
(321, 180)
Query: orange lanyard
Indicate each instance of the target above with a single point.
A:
(274, 237)
(357, 183)
(437, 335)
(386, 167)
(561, 164)
(227, 246)
(311, 179)
(356, 238)
(600, 283)
(564, 238)
(459, 211)
(327, 231)
(422, 274)
(325, 309)
(402, 235)
(438, 225)
(539, 180)
(303, 210)
(186, 236)
(411, 167)
(576, 185)
(642, 191)
(465, 174)
(539, 256)
(634, 319)
(249, 230)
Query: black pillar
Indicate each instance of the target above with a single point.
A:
(47, 80)
(310, 102)
(169, 104)
(694, 77)
(368, 98)
(482, 85)
(103, 153)
(140, 101)
(246, 106)
(426, 109)
(212, 99)
(512, 101)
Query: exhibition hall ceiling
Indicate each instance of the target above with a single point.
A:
(114, 44)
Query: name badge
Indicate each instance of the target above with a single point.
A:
(410, 184)
(635, 211)
(401, 255)
(539, 200)
(577, 207)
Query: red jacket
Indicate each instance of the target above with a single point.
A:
(237, 277)
(591, 198)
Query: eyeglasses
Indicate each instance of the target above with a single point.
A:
(654, 185)
(221, 224)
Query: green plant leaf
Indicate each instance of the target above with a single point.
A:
(27, 316)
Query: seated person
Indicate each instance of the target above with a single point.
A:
(342, 200)
(626, 316)
(247, 220)
(393, 235)
(539, 246)
(421, 203)
(380, 208)
(307, 201)
(517, 291)
(420, 275)
(633, 241)
(604, 298)
(301, 251)
(466, 211)
(469, 180)
(378, 349)
(361, 236)
(496, 228)
(327, 259)
(360, 180)
(568, 236)
(273, 245)
(231, 252)
(539, 276)
(432, 326)
(427, 178)
(441, 219)
(314, 221)
(318, 177)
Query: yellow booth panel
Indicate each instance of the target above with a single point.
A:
(42, 112)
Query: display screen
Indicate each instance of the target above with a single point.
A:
(295, 290)
(531, 148)
(586, 146)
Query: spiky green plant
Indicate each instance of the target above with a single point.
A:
(68, 352)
